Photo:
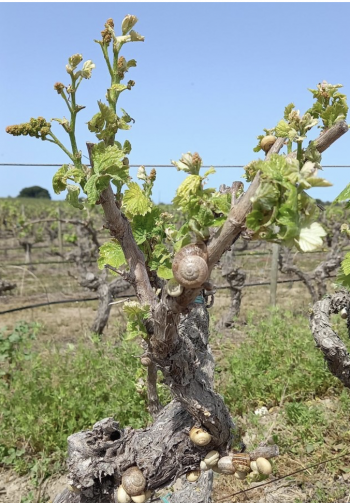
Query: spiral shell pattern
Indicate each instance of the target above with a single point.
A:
(241, 462)
(190, 266)
(133, 481)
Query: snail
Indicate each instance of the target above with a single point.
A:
(241, 462)
(146, 361)
(193, 476)
(190, 265)
(225, 465)
(254, 467)
(200, 437)
(203, 466)
(141, 498)
(212, 458)
(173, 288)
(122, 496)
(133, 481)
(264, 466)
(240, 475)
(267, 142)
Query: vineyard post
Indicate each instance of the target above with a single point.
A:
(60, 242)
(274, 273)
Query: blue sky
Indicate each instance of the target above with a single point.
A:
(209, 78)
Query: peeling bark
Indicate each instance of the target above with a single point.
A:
(327, 340)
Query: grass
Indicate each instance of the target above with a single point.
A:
(278, 361)
(45, 397)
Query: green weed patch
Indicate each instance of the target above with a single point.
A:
(277, 362)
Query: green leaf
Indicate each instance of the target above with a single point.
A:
(282, 129)
(59, 181)
(346, 264)
(210, 171)
(134, 310)
(73, 196)
(344, 195)
(310, 237)
(134, 201)
(127, 147)
(111, 253)
(109, 161)
(288, 110)
(91, 189)
(165, 272)
(186, 190)
(131, 63)
(66, 172)
(342, 279)
(119, 87)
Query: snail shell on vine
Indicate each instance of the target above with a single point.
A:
(203, 466)
(122, 496)
(200, 437)
(267, 142)
(173, 288)
(133, 481)
(212, 458)
(241, 462)
(146, 361)
(225, 465)
(193, 476)
(190, 265)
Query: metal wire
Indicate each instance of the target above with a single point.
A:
(32, 306)
(162, 165)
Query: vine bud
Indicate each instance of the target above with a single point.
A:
(58, 87)
(128, 22)
(75, 60)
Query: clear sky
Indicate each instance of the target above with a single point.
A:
(209, 78)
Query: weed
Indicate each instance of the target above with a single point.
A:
(65, 392)
(278, 361)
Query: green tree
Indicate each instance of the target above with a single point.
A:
(169, 267)
(35, 192)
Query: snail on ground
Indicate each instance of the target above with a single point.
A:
(225, 465)
(241, 462)
(264, 466)
(193, 476)
(190, 265)
(200, 437)
(133, 481)
(254, 467)
(267, 142)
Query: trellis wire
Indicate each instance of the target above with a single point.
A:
(69, 301)
(164, 165)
